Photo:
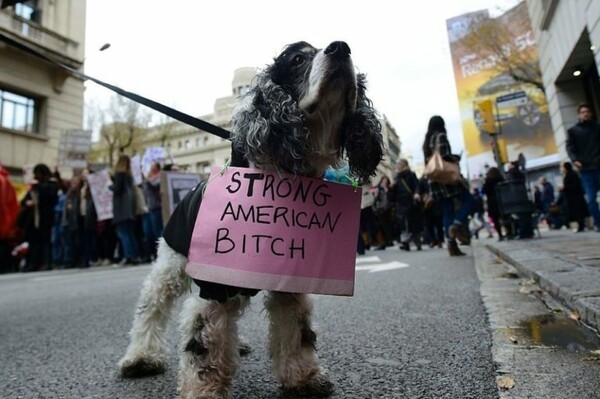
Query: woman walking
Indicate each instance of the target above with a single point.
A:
(455, 200)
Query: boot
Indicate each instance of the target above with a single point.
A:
(453, 249)
(460, 233)
(404, 246)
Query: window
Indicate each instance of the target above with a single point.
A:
(27, 10)
(187, 145)
(17, 112)
(198, 142)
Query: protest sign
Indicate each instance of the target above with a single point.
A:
(174, 186)
(73, 148)
(102, 195)
(152, 154)
(136, 169)
(257, 229)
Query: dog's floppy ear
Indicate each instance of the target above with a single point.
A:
(269, 129)
(363, 141)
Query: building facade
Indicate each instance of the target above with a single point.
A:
(568, 38)
(39, 101)
(196, 151)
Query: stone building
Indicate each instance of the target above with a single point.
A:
(39, 101)
(568, 39)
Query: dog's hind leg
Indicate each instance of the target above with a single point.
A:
(209, 355)
(146, 354)
(292, 346)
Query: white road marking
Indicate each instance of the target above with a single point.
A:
(382, 267)
(367, 259)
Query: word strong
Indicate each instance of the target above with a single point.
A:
(275, 231)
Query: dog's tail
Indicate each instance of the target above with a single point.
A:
(146, 354)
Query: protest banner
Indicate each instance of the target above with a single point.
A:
(174, 187)
(257, 229)
(136, 169)
(102, 195)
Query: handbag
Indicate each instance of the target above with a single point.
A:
(441, 171)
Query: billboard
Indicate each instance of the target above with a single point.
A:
(520, 109)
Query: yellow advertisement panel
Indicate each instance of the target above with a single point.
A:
(519, 111)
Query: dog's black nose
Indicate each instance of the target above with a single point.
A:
(338, 49)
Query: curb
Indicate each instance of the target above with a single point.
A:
(574, 285)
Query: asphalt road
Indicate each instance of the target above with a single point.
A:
(409, 332)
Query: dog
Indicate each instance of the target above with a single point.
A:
(305, 112)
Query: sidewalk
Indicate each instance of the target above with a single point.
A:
(565, 264)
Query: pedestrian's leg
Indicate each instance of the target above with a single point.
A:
(591, 184)
(450, 228)
(360, 246)
(447, 206)
(126, 240)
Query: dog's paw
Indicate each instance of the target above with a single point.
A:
(317, 387)
(141, 367)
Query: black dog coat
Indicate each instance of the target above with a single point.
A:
(178, 235)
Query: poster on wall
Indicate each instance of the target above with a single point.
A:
(520, 109)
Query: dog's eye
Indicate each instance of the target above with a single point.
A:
(298, 60)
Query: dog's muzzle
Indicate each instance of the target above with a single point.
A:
(338, 49)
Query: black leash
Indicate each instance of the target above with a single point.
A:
(173, 113)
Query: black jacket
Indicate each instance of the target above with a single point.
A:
(583, 144)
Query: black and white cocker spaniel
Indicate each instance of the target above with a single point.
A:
(307, 111)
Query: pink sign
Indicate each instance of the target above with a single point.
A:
(257, 229)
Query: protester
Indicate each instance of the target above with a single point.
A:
(574, 197)
(90, 221)
(36, 218)
(59, 235)
(524, 222)
(124, 209)
(583, 147)
(478, 218)
(407, 208)
(9, 209)
(383, 211)
(492, 177)
(537, 202)
(153, 224)
(368, 222)
(433, 224)
(74, 224)
(547, 196)
(455, 217)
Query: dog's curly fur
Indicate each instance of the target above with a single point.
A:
(307, 111)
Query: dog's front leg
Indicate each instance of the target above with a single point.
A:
(146, 353)
(292, 346)
(209, 354)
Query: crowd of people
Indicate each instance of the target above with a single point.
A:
(410, 210)
(56, 225)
